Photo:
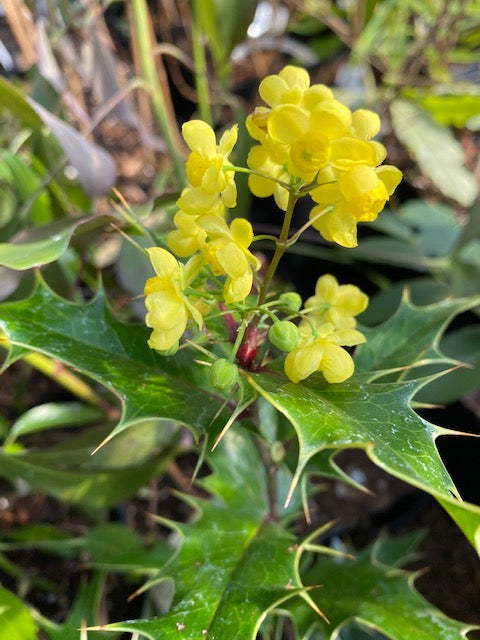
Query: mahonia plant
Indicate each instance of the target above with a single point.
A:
(309, 145)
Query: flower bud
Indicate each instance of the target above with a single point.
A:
(291, 300)
(284, 335)
(223, 374)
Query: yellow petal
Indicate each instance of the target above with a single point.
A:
(200, 137)
(196, 201)
(390, 176)
(315, 94)
(228, 140)
(242, 232)
(214, 226)
(350, 337)
(280, 195)
(164, 263)
(271, 90)
(165, 310)
(287, 122)
(326, 288)
(326, 194)
(181, 244)
(366, 124)
(332, 118)
(351, 300)
(303, 361)
(295, 76)
(232, 260)
(337, 365)
(261, 187)
(164, 340)
(237, 289)
(348, 151)
(338, 226)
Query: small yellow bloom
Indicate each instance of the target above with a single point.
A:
(188, 237)
(335, 303)
(227, 253)
(211, 188)
(270, 160)
(286, 87)
(359, 195)
(323, 353)
(168, 308)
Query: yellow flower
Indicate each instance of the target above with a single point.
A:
(168, 308)
(188, 237)
(270, 160)
(359, 195)
(286, 87)
(211, 188)
(323, 353)
(227, 253)
(334, 303)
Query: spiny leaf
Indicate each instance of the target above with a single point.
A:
(374, 416)
(376, 595)
(89, 338)
(410, 335)
(233, 565)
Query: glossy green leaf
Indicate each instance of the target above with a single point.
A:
(15, 620)
(93, 341)
(410, 335)
(377, 416)
(375, 595)
(51, 415)
(438, 153)
(39, 245)
(233, 565)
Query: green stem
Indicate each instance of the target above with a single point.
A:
(309, 224)
(281, 247)
(238, 340)
(141, 34)
(200, 63)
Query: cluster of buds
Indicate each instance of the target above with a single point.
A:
(309, 144)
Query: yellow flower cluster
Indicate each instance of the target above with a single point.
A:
(203, 235)
(309, 143)
(328, 326)
(307, 137)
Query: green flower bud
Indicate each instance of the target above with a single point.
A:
(291, 300)
(284, 335)
(223, 374)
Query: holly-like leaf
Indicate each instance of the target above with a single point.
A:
(410, 335)
(377, 416)
(90, 339)
(233, 565)
(378, 596)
